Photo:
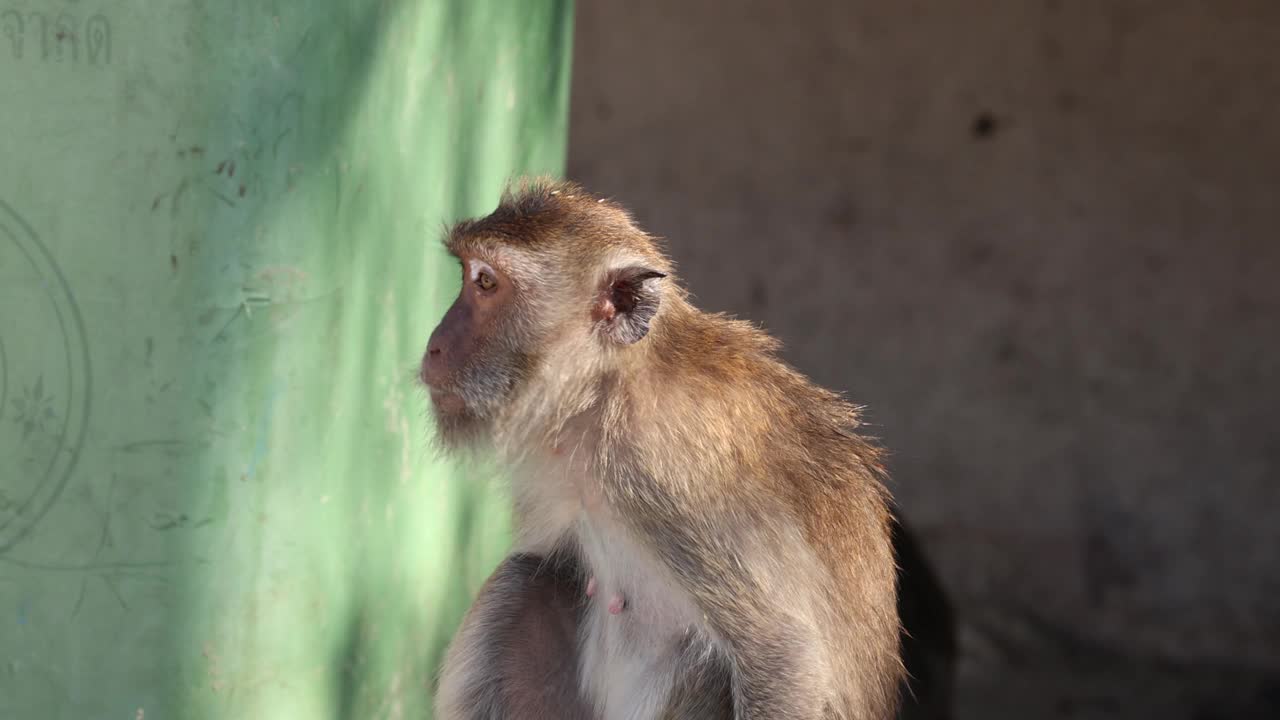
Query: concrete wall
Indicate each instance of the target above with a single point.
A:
(1041, 240)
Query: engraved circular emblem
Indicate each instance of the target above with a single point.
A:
(44, 380)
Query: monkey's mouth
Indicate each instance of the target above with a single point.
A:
(446, 401)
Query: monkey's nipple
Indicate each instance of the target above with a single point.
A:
(616, 603)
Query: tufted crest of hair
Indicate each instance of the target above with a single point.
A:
(541, 214)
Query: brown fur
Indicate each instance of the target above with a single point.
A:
(742, 486)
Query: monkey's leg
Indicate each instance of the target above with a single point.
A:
(703, 687)
(516, 654)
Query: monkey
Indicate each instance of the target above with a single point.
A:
(700, 531)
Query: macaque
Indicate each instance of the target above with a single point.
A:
(700, 532)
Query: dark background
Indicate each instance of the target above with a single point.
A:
(1041, 241)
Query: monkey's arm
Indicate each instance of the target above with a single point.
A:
(515, 655)
(760, 587)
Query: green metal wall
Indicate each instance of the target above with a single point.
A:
(218, 269)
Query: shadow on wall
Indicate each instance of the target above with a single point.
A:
(928, 631)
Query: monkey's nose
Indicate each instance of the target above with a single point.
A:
(433, 365)
(424, 369)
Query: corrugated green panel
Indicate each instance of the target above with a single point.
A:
(218, 269)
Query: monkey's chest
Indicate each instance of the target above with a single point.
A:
(653, 605)
(638, 621)
(632, 589)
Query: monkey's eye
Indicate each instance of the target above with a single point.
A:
(486, 281)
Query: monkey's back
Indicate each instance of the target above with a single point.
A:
(755, 431)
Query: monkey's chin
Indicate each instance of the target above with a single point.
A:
(457, 427)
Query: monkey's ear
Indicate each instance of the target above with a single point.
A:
(627, 302)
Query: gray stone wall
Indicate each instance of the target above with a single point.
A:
(1040, 240)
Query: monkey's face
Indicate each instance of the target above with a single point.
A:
(476, 356)
(517, 309)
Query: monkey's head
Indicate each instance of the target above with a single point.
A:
(557, 286)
